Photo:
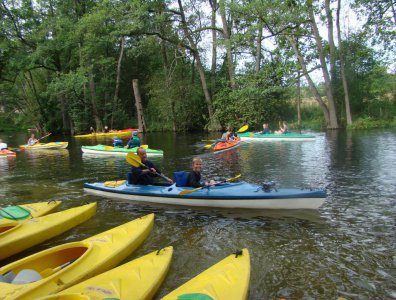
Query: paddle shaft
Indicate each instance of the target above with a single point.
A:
(137, 160)
(185, 192)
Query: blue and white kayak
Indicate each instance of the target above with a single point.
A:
(227, 195)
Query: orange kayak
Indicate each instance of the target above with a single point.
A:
(6, 152)
(224, 146)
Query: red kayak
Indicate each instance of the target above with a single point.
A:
(7, 153)
(224, 146)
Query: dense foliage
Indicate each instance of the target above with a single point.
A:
(68, 65)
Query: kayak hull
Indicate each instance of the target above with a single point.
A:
(7, 153)
(62, 266)
(18, 236)
(117, 151)
(137, 279)
(228, 279)
(229, 195)
(52, 145)
(250, 136)
(225, 146)
(33, 210)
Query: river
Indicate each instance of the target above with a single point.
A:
(344, 249)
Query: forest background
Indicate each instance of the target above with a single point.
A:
(66, 65)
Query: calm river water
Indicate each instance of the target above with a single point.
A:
(345, 249)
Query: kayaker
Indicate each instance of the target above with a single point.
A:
(32, 140)
(91, 130)
(265, 130)
(106, 129)
(194, 177)
(142, 175)
(117, 142)
(134, 141)
(3, 145)
(283, 129)
(226, 135)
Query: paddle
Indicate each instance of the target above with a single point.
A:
(243, 128)
(134, 160)
(185, 192)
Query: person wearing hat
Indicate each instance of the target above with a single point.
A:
(134, 141)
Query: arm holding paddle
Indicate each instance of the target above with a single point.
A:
(32, 140)
(186, 192)
(138, 160)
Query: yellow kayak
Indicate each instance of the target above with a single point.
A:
(27, 211)
(226, 280)
(138, 279)
(18, 236)
(52, 145)
(118, 133)
(55, 269)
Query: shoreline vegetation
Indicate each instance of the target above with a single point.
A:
(314, 124)
(67, 66)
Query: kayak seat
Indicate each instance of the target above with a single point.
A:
(181, 178)
(26, 276)
(130, 178)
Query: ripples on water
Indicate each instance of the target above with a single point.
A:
(345, 249)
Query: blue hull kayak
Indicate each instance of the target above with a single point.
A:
(229, 195)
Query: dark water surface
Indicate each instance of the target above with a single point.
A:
(345, 249)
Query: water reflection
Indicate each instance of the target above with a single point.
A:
(346, 248)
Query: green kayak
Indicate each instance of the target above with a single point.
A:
(291, 136)
(119, 151)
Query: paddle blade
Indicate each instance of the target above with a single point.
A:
(134, 159)
(108, 148)
(208, 146)
(243, 128)
(185, 192)
(234, 178)
(144, 146)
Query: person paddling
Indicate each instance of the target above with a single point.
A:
(194, 177)
(283, 129)
(32, 140)
(134, 141)
(3, 146)
(145, 175)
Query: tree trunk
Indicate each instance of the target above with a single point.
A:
(214, 47)
(258, 48)
(65, 116)
(92, 89)
(117, 86)
(311, 84)
(342, 66)
(168, 80)
(139, 106)
(298, 100)
(227, 41)
(332, 47)
(200, 67)
(333, 121)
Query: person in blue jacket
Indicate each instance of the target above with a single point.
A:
(134, 141)
(265, 130)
